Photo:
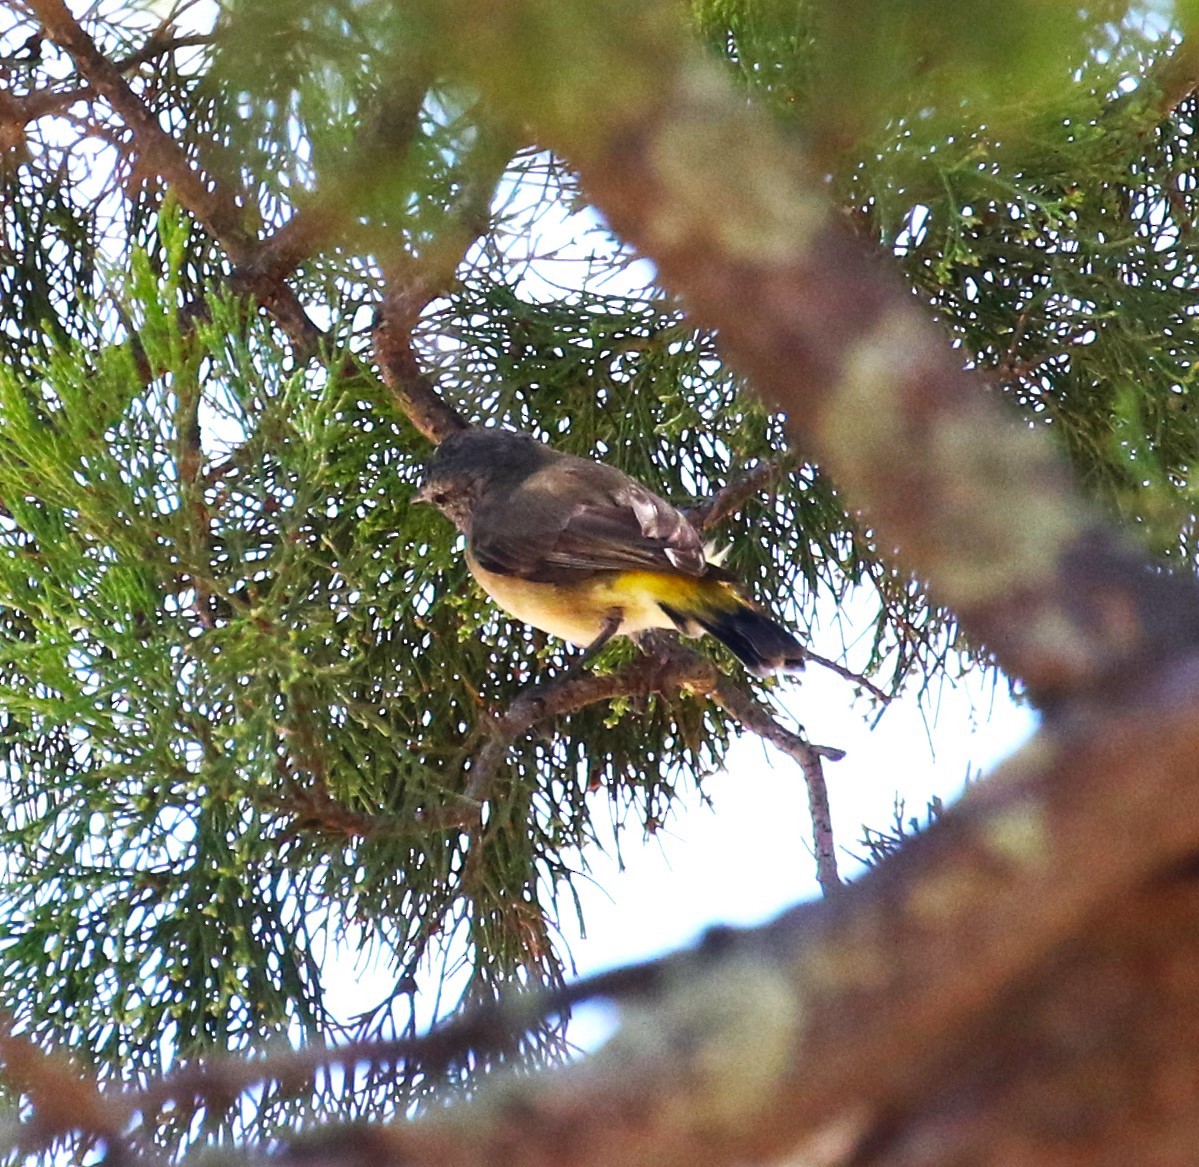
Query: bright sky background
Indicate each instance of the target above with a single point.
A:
(748, 855)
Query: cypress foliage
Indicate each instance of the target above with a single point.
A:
(241, 677)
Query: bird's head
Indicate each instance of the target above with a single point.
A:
(469, 462)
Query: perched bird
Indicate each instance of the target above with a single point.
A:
(582, 551)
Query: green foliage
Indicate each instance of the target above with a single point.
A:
(882, 842)
(241, 677)
(1052, 229)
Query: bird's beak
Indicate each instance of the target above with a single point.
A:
(422, 494)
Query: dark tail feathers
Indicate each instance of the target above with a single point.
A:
(757, 641)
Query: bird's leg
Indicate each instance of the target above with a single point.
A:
(612, 622)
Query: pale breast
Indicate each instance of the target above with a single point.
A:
(575, 612)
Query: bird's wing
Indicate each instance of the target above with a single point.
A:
(549, 535)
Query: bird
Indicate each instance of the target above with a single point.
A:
(584, 552)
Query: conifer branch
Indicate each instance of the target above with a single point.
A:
(414, 282)
(328, 214)
(547, 700)
(415, 394)
(972, 499)
(61, 1099)
(17, 111)
(1177, 77)
(665, 668)
(731, 497)
(213, 205)
(262, 266)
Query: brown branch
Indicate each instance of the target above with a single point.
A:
(841, 1015)
(866, 1019)
(274, 296)
(837, 1017)
(414, 393)
(413, 283)
(42, 102)
(329, 212)
(880, 695)
(665, 668)
(263, 266)
(548, 700)
(161, 44)
(313, 808)
(974, 501)
(27, 107)
(61, 1099)
(741, 706)
(216, 210)
(1177, 77)
(64, 1102)
(735, 494)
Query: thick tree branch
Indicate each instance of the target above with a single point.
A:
(212, 204)
(897, 994)
(840, 1016)
(975, 502)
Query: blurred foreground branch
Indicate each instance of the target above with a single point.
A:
(848, 1023)
(975, 502)
(1041, 929)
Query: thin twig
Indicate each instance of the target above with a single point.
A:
(740, 705)
(880, 695)
(160, 45)
(733, 496)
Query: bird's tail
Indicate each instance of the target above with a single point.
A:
(761, 644)
(716, 606)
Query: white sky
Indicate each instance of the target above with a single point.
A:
(748, 856)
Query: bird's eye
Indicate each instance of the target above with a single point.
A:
(439, 498)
